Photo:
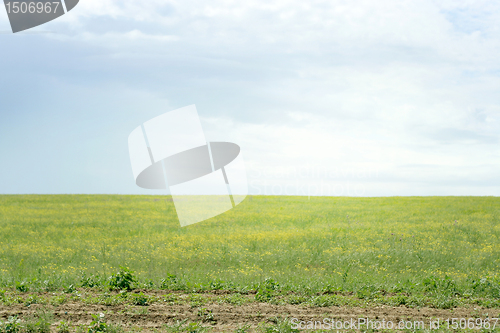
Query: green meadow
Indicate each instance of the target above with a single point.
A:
(367, 247)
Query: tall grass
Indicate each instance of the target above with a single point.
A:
(448, 244)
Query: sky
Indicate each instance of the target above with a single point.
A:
(338, 98)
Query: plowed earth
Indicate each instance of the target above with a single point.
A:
(227, 317)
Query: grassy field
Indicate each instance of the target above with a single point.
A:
(434, 246)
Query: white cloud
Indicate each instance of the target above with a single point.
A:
(116, 39)
(405, 91)
(315, 26)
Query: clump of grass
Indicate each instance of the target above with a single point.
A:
(124, 279)
(171, 299)
(243, 329)
(92, 281)
(58, 300)
(63, 327)
(22, 286)
(279, 325)
(234, 299)
(99, 324)
(185, 326)
(34, 299)
(11, 325)
(295, 299)
(267, 290)
(206, 315)
(139, 299)
(196, 300)
(40, 323)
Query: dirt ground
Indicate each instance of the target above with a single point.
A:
(227, 318)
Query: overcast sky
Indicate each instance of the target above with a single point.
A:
(358, 98)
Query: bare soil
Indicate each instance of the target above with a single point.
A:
(227, 317)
